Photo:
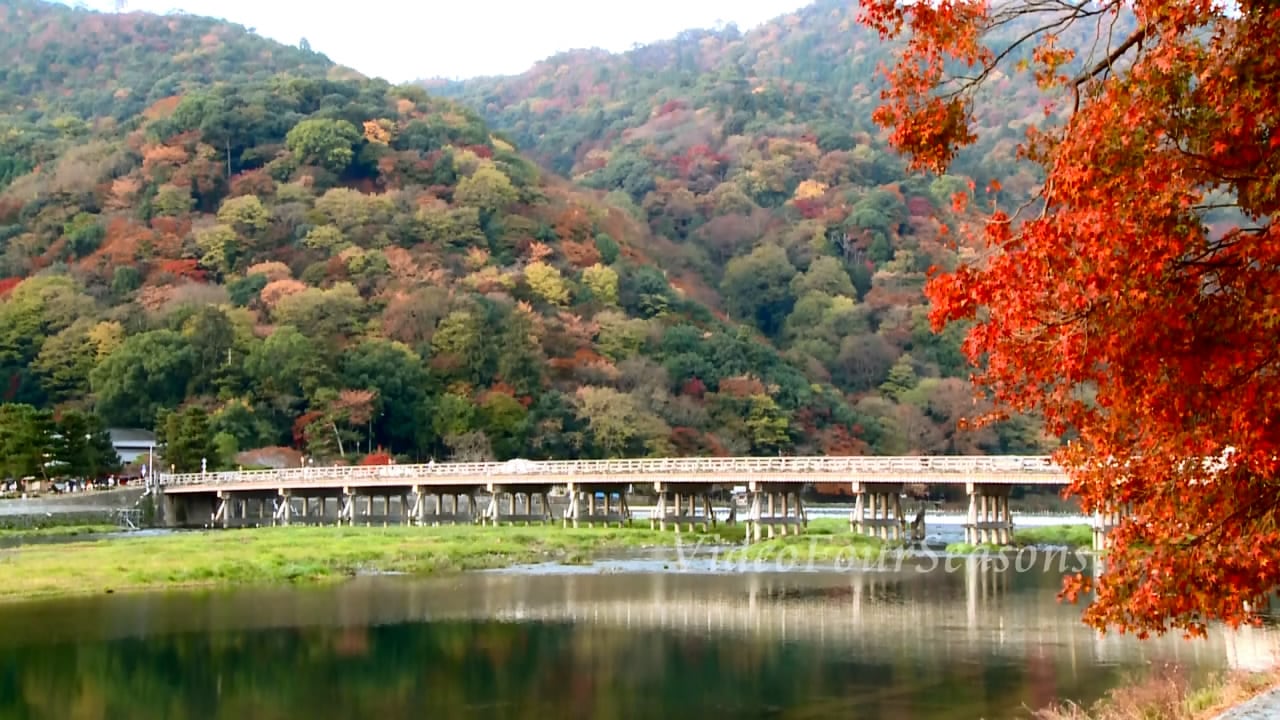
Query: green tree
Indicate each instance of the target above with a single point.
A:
(602, 281)
(149, 371)
(324, 142)
(220, 247)
(757, 287)
(65, 361)
(825, 275)
(619, 425)
(84, 446)
(521, 359)
(767, 426)
(488, 189)
(187, 439)
(325, 315)
(547, 283)
(26, 441)
(245, 214)
(398, 377)
(902, 378)
(505, 422)
(211, 336)
(453, 415)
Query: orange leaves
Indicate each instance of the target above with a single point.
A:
(926, 127)
(158, 161)
(539, 251)
(277, 290)
(7, 285)
(1116, 313)
(742, 386)
(573, 223)
(186, 268)
(580, 254)
(356, 406)
(122, 245)
(377, 457)
(377, 131)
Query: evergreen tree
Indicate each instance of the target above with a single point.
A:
(187, 439)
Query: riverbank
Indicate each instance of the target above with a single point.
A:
(75, 529)
(1077, 537)
(279, 555)
(1174, 697)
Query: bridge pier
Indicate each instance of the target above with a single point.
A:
(877, 510)
(683, 504)
(284, 511)
(511, 497)
(774, 505)
(989, 520)
(416, 511)
(1106, 520)
(609, 509)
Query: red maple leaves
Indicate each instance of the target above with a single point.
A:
(1113, 310)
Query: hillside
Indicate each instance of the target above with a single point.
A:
(291, 254)
(755, 156)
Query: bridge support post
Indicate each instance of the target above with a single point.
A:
(223, 511)
(347, 507)
(989, 519)
(612, 508)
(781, 508)
(877, 509)
(1106, 520)
(512, 494)
(413, 511)
(283, 513)
(690, 507)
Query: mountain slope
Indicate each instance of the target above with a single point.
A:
(335, 263)
(755, 156)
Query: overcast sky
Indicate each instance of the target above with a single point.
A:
(402, 40)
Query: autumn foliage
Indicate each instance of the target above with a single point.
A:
(377, 457)
(1112, 307)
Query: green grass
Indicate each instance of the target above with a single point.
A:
(1073, 536)
(300, 554)
(43, 530)
(275, 555)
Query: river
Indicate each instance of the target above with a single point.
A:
(630, 638)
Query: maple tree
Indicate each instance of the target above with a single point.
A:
(1134, 307)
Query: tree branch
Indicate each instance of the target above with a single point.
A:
(1137, 37)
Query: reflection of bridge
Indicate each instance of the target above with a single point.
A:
(596, 491)
(965, 615)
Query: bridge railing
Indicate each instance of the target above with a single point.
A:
(741, 467)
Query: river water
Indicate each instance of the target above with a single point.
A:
(639, 638)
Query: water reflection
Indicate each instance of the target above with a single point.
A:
(923, 646)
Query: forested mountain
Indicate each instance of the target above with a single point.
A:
(755, 154)
(243, 245)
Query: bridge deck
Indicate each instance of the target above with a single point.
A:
(658, 472)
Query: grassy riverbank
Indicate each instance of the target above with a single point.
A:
(826, 541)
(319, 554)
(299, 554)
(1170, 697)
(1073, 537)
(58, 530)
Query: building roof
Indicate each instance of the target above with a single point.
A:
(131, 436)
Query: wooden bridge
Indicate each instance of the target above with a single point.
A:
(595, 491)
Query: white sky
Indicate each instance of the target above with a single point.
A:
(402, 40)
